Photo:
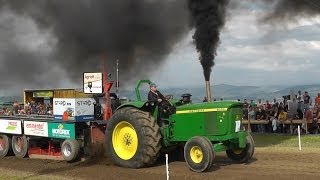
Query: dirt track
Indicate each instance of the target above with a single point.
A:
(266, 164)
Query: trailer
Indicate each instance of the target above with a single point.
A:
(76, 128)
(49, 139)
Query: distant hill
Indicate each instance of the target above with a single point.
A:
(225, 91)
(231, 92)
(8, 99)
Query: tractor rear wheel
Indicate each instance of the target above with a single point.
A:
(133, 138)
(20, 146)
(5, 145)
(242, 155)
(199, 154)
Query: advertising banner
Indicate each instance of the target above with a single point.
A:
(35, 128)
(63, 106)
(80, 109)
(10, 126)
(45, 94)
(92, 83)
(84, 109)
(61, 130)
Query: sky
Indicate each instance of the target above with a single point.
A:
(250, 53)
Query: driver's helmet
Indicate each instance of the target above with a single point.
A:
(186, 98)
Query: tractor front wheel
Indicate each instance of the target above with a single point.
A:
(242, 155)
(133, 138)
(199, 154)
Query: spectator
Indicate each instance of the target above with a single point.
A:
(308, 117)
(306, 99)
(205, 99)
(260, 104)
(299, 114)
(281, 107)
(245, 109)
(316, 117)
(317, 100)
(252, 114)
(2, 111)
(16, 108)
(261, 115)
(268, 105)
(282, 118)
(252, 104)
(300, 100)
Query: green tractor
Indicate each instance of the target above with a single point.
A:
(139, 131)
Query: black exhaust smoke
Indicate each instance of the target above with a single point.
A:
(208, 17)
(290, 10)
(139, 33)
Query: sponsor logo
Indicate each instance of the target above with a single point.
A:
(62, 103)
(61, 131)
(12, 126)
(84, 103)
(34, 126)
(201, 110)
(89, 76)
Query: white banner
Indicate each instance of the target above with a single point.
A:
(60, 105)
(84, 106)
(10, 126)
(92, 83)
(35, 128)
(77, 109)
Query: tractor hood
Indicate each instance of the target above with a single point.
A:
(207, 107)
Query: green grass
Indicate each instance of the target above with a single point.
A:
(284, 140)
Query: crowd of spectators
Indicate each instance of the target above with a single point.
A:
(298, 107)
(30, 108)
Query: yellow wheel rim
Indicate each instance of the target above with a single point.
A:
(196, 154)
(237, 151)
(125, 140)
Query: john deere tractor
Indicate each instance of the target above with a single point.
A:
(139, 131)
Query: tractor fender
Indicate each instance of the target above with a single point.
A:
(137, 104)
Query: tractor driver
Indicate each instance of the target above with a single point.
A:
(186, 99)
(155, 95)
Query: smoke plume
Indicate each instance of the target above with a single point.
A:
(208, 17)
(291, 10)
(78, 32)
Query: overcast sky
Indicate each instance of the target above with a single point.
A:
(251, 53)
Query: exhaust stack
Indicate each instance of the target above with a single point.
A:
(208, 91)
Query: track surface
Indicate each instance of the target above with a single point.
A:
(266, 164)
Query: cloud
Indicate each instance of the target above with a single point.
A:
(251, 53)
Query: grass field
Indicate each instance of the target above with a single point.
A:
(284, 140)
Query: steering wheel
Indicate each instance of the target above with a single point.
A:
(165, 104)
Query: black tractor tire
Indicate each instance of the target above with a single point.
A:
(70, 150)
(143, 128)
(203, 149)
(242, 155)
(214, 154)
(5, 145)
(20, 145)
